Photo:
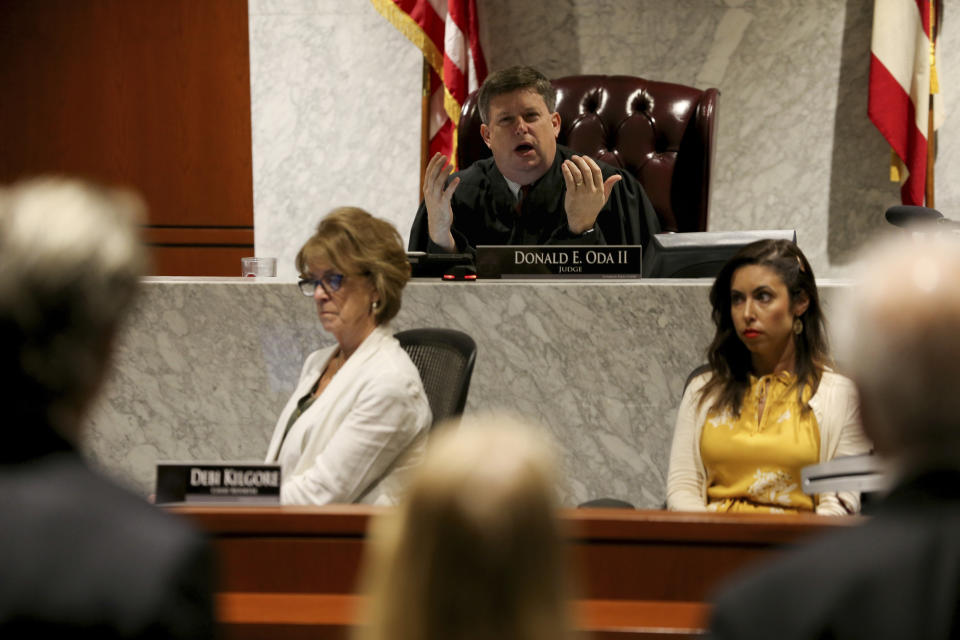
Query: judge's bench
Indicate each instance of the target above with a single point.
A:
(292, 572)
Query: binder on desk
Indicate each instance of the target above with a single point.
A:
(865, 473)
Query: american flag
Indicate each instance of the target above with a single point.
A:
(447, 33)
(902, 79)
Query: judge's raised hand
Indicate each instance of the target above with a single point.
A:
(436, 196)
(586, 192)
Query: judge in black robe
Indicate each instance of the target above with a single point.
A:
(485, 211)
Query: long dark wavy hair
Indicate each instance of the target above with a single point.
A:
(729, 358)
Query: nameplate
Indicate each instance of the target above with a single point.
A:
(552, 261)
(245, 482)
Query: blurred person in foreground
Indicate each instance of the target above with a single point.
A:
(898, 574)
(358, 418)
(475, 552)
(79, 556)
(770, 403)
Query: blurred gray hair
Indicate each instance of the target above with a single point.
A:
(70, 265)
(899, 338)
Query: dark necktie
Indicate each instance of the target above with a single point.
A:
(524, 190)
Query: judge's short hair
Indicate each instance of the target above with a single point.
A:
(513, 79)
(70, 265)
(356, 243)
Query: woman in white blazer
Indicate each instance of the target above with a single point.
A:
(359, 416)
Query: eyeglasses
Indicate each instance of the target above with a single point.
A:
(329, 281)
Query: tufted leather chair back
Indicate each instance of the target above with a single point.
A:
(660, 132)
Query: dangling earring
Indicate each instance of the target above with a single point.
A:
(374, 306)
(797, 325)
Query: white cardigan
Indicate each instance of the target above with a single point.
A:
(835, 406)
(359, 438)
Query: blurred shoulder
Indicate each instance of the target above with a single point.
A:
(65, 518)
(78, 548)
(867, 581)
(62, 492)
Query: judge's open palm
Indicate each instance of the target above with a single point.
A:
(586, 192)
(436, 196)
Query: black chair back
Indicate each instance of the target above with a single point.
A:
(445, 360)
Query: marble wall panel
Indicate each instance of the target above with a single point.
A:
(333, 89)
(795, 148)
(204, 368)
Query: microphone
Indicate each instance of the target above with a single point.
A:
(907, 216)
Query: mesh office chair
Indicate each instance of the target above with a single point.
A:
(445, 360)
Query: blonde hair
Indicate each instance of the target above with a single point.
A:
(70, 265)
(356, 243)
(475, 552)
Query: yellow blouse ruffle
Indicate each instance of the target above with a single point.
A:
(753, 461)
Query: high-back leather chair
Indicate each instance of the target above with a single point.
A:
(662, 133)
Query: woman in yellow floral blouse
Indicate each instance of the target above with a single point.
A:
(770, 404)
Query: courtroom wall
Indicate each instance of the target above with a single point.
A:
(154, 95)
(335, 106)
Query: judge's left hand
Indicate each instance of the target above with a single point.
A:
(586, 192)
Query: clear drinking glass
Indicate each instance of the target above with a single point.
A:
(259, 267)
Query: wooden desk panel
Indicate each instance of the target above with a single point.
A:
(659, 555)
(330, 617)
(291, 572)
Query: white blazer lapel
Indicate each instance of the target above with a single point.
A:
(308, 377)
(340, 389)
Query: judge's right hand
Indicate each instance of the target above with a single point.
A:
(436, 196)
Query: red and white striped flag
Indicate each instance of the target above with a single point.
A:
(447, 33)
(901, 69)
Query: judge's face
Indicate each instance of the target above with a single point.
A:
(344, 312)
(522, 134)
(763, 314)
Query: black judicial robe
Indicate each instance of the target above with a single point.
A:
(484, 211)
(896, 576)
